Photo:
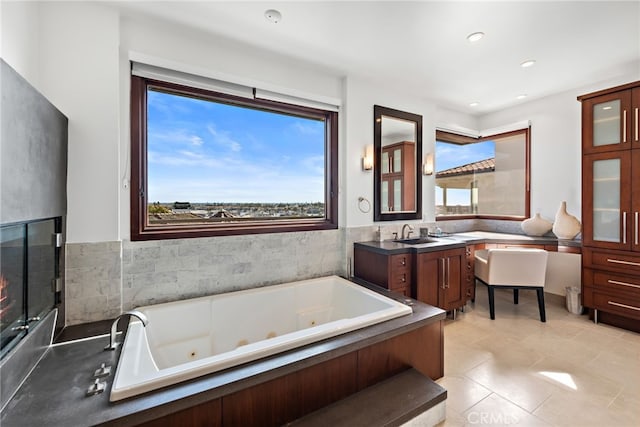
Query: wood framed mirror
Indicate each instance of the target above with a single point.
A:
(397, 144)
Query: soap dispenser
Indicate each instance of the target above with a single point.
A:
(378, 235)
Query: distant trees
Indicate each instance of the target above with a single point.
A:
(157, 208)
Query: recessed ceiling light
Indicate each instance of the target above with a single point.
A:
(522, 96)
(474, 104)
(273, 16)
(528, 63)
(474, 37)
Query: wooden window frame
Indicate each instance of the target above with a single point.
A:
(140, 230)
(463, 139)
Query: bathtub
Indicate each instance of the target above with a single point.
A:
(187, 339)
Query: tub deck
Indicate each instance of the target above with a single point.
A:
(54, 393)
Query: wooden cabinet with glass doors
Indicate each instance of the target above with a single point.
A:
(398, 177)
(611, 204)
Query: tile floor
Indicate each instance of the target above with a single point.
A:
(516, 370)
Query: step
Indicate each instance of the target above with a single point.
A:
(391, 402)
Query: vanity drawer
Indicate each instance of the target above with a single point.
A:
(604, 280)
(400, 262)
(611, 260)
(623, 306)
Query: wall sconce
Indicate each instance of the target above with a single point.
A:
(427, 165)
(367, 159)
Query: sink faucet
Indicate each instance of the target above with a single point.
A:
(114, 327)
(402, 236)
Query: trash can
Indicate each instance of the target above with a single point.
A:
(573, 300)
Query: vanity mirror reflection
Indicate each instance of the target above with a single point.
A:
(397, 159)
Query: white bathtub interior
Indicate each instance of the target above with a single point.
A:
(187, 339)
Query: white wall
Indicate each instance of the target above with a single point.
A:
(555, 146)
(79, 74)
(19, 38)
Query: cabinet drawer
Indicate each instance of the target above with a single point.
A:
(604, 280)
(624, 306)
(611, 260)
(399, 279)
(400, 262)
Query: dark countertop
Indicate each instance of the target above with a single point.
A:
(54, 393)
(460, 240)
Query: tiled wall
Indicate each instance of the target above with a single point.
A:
(104, 279)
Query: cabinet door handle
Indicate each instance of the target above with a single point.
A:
(448, 272)
(636, 122)
(636, 227)
(442, 269)
(615, 282)
(618, 261)
(617, 304)
(624, 126)
(624, 228)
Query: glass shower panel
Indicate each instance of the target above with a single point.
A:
(12, 304)
(606, 123)
(42, 264)
(606, 200)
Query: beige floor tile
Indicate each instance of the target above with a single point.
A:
(627, 406)
(564, 409)
(616, 366)
(462, 393)
(508, 351)
(516, 370)
(519, 385)
(497, 411)
(575, 380)
(460, 357)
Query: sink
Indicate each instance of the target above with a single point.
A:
(416, 241)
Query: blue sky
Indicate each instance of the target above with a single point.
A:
(452, 155)
(201, 151)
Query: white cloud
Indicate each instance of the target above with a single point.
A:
(224, 139)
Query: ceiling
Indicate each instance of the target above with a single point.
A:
(421, 46)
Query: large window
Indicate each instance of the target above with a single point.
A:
(484, 177)
(206, 163)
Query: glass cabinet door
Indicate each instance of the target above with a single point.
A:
(608, 121)
(606, 200)
(385, 162)
(397, 160)
(607, 214)
(397, 195)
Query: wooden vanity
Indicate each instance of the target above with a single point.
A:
(439, 273)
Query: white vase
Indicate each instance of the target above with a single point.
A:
(566, 226)
(536, 225)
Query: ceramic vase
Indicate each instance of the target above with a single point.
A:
(536, 226)
(566, 226)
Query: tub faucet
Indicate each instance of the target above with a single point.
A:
(403, 228)
(114, 327)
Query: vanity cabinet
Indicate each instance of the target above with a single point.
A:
(469, 279)
(439, 278)
(389, 271)
(611, 204)
(398, 177)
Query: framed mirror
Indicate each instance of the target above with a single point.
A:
(397, 144)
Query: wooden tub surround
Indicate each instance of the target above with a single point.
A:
(272, 391)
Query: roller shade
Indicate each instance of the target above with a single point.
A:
(216, 85)
(191, 80)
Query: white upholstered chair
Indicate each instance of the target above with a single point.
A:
(514, 268)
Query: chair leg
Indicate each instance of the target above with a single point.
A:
(515, 296)
(492, 311)
(543, 314)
